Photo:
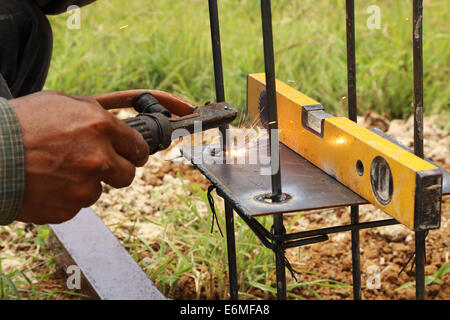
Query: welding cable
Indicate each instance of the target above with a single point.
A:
(213, 209)
(413, 256)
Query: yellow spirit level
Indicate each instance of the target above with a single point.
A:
(388, 176)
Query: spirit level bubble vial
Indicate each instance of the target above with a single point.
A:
(388, 176)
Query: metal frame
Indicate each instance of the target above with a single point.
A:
(109, 272)
(277, 239)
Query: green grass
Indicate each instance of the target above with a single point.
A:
(188, 250)
(27, 281)
(434, 278)
(166, 45)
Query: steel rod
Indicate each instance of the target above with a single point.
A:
(259, 228)
(418, 134)
(266, 16)
(279, 231)
(352, 114)
(356, 256)
(336, 229)
(269, 62)
(351, 60)
(218, 66)
(420, 264)
(263, 233)
(418, 77)
(305, 241)
(231, 251)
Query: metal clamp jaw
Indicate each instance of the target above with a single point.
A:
(157, 125)
(312, 118)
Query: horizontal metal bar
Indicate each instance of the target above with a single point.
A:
(349, 227)
(266, 236)
(304, 242)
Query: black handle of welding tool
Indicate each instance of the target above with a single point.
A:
(152, 122)
(147, 103)
(155, 128)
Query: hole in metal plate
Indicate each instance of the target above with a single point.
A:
(267, 198)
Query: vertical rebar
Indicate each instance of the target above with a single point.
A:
(418, 77)
(266, 15)
(418, 134)
(352, 115)
(356, 256)
(278, 228)
(420, 264)
(351, 60)
(218, 67)
(220, 97)
(231, 251)
(280, 267)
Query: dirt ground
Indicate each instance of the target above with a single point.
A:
(384, 251)
(387, 249)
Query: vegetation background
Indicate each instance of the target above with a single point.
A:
(166, 45)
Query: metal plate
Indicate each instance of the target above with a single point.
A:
(309, 187)
(110, 271)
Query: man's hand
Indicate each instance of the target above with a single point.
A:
(71, 144)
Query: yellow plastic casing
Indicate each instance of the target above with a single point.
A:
(341, 144)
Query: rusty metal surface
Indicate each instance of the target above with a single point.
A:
(309, 187)
(211, 115)
(111, 272)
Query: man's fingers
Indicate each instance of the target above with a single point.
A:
(121, 172)
(92, 194)
(130, 144)
(48, 214)
(127, 142)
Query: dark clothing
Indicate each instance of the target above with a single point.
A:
(25, 52)
(26, 44)
(12, 164)
(60, 6)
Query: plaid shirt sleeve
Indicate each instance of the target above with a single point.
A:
(12, 164)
